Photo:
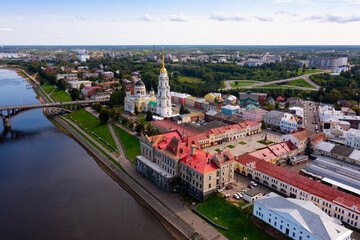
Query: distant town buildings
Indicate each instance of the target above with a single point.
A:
(327, 62)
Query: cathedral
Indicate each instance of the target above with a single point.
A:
(160, 105)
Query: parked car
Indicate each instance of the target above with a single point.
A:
(244, 190)
(226, 195)
(236, 196)
(240, 195)
(219, 190)
(252, 183)
(251, 187)
(229, 187)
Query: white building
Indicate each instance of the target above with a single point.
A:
(83, 57)
(352, 138)
(288, 123)
(77, 84)
(298, 219)
(163, 99)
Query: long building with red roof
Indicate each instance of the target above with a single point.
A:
(212, 136)
(332, 201)
(174, 162)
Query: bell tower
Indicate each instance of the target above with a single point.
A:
(163, 99)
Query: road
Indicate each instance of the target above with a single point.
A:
(311, 116)
(259, 84)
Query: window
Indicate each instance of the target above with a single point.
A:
(209, 177)
(293, 234)
(209, 185)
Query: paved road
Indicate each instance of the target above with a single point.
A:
(312, 116)
(259, 84)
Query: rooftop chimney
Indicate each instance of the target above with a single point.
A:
(192, 149)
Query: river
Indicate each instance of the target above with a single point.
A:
(51, 188)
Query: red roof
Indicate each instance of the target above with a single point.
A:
(91, 88)
(238, 126)
(200, 162)
(306, 184)
(274, 150)
(170, 125)
(280, 98)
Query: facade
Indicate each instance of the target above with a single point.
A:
(254, 115)
(298, 219)
(326, 62)
(259, 97)
(88, 91)
(352, 138)
(67, 77)
(100, 96)
(211, 97)
(179, 97)
(304, 139)
(190, 101)
(230, 100)
(77, 84)
(140, 99)
(251, 195)
(340, 205)
(276, 152)
(288, 123)
(171, 162)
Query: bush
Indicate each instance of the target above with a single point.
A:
(104, 115)
(97, 107)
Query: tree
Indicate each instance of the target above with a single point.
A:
(136, 110)
(139, 127)
(82, 86)
(61, 84)
(304, 68)
(117, 98)
(75, 94)
(356, 109)
(183, 110)
(104, 115)
(263, 125)
(149, 116)
(277, 104)
(97, 107)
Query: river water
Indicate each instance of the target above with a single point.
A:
(51, 188)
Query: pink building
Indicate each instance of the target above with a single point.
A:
(254, 115)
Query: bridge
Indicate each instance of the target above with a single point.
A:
(8, 112)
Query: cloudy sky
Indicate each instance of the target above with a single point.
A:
(133, 22)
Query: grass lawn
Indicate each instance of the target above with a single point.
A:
(143, 121)
(273, 85)
(217, 150)
(242, 83)
(307, 71)
(190, 79)
(232, 217)
(230, 146)
(242, 143)
(131, 144)
(61, 96)
(48, 88)
(265, 143)
(300, 83)
(91, 124)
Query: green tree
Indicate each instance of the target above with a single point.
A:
(139, 128)
(82, 86)
(136, 110)
(97, 107)
(304, 68)
(61, 84)
(183, 110)
(149, 116)
(263, 125)
(104, 115)
(277, 105)
(75, 94)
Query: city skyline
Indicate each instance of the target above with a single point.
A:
(265, 22)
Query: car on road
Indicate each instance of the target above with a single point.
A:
(249, 186)
(229, 187)
(219, 190)
(244, 190)
(252, 183)
(240, 195)
(227, 195)
(313, 122)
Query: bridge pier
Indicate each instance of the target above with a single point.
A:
(7, 124)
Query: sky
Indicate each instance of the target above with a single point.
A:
(186, 22)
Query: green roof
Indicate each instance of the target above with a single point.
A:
(152, 104)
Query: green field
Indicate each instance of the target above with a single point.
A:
(236, 220)
(48, 88)
(131, 144)
(61, 96)
(190, 79)
(92, 124)
(143, 121)
(242, 84)
(307, 71)
(273, 85)
(300, 83)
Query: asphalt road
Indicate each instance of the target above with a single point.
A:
(312, 116)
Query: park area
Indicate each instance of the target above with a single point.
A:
(228, 215)
(93, 125)
(190, 79)
(61, 96)
(242, 83)
(131, 144)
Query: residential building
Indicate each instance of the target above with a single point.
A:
(295, 102)
(335, 203)
(254, 115)
(288, 123)
(83, 57)
(352, 138)
(271, 101)
(192, 117)
(303, 140)
(190, 101)
(89, 75)
(88, 91)
(230, 100)
(100, 96)
(107, 75)
(348, 111)
(276, 152)
(273, 118)
(199, 103)
(67, 77)
(77, 84)
(211, 97)
(298, 219)
(230, 109)
(327, 62)
(259, 97)
(215, 116)
(179, 97)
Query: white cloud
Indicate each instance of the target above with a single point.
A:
(220, 16)
(5, 29)
(178, 18)
(148, 18)
(334, 19)
(60, 36)
(264, 19)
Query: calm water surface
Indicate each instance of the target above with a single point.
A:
(51, 188)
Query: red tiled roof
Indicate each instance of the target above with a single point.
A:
(200, 162)
(167, 124)
(280, 98)
(306, 184)
(238, 126)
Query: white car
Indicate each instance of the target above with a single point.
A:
(252, 183)
(219, 190)
(226, 195)
(236, 196)
(240, 195)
